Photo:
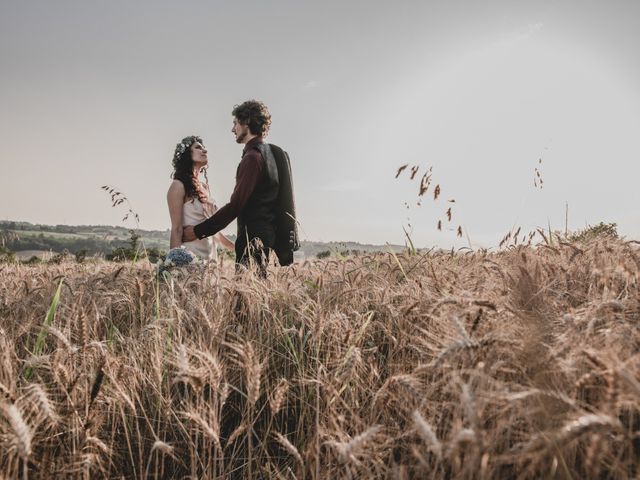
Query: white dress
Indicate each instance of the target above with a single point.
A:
(193, 213)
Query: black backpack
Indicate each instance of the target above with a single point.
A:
(286, 223)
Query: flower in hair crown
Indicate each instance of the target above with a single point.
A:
(185, 143)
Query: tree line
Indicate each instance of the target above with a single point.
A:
(41, 241)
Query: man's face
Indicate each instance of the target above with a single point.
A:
(240, 131)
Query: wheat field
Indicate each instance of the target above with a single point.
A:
(522, 363)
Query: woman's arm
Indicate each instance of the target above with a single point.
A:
(224, 241)
(175, 200)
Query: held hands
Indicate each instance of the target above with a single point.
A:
(188, 235)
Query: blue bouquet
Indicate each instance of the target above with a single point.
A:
(177, 257)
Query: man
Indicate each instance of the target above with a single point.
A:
(262, 199)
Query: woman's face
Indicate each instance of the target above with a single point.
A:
(199, 155)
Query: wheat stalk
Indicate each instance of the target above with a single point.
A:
(289, 447)
(426, 433)
(22, 434)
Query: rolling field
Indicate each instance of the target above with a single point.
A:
(57, 235)
(523, 363)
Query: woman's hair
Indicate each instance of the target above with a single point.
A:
(255, 114)
(183, 170)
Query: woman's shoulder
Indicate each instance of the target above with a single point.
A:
(176, 190)
(178, 181)
(177, 184)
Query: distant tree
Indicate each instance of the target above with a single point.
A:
(324, 254)
(591, 232)
(34, 260)
(6, 255)
(60, 257)
(7, 236)
(154, 254)
(121, 254)
(81, 255)
(134, 237)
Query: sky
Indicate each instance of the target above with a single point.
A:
(483, 93)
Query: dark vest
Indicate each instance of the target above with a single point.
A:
(258, 217)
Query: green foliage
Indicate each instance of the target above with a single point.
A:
(95, 239)
(81, 255)
(229, 254)
(59, 258)
(6, 255)
(135, 251)
(4, 251)
(154, 254)
(133, 240)
(34, 260)
(339, 253)
(46, 242)
(121, 254)
(591, 232)
(48, 320)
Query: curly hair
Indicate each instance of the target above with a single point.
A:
(255, 115)
(183, 170)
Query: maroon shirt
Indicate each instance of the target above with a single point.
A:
(249, 172)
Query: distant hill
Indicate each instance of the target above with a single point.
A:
(103, 239)
(20, 236)
(310, 249)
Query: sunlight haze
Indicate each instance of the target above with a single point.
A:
(98, 93)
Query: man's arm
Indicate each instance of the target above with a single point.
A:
(249, 172)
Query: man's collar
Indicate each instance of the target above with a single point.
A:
(252, 143)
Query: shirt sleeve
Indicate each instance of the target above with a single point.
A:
(249, 172)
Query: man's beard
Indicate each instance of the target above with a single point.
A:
(240, 138)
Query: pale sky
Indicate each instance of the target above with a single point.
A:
(99, 92)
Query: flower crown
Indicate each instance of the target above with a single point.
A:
(185, 143)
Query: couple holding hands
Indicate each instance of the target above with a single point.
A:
(262, 200)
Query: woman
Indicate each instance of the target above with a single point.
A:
(188, 198)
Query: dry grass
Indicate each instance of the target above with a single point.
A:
(518, 364)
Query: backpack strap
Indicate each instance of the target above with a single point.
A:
(287, 240)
